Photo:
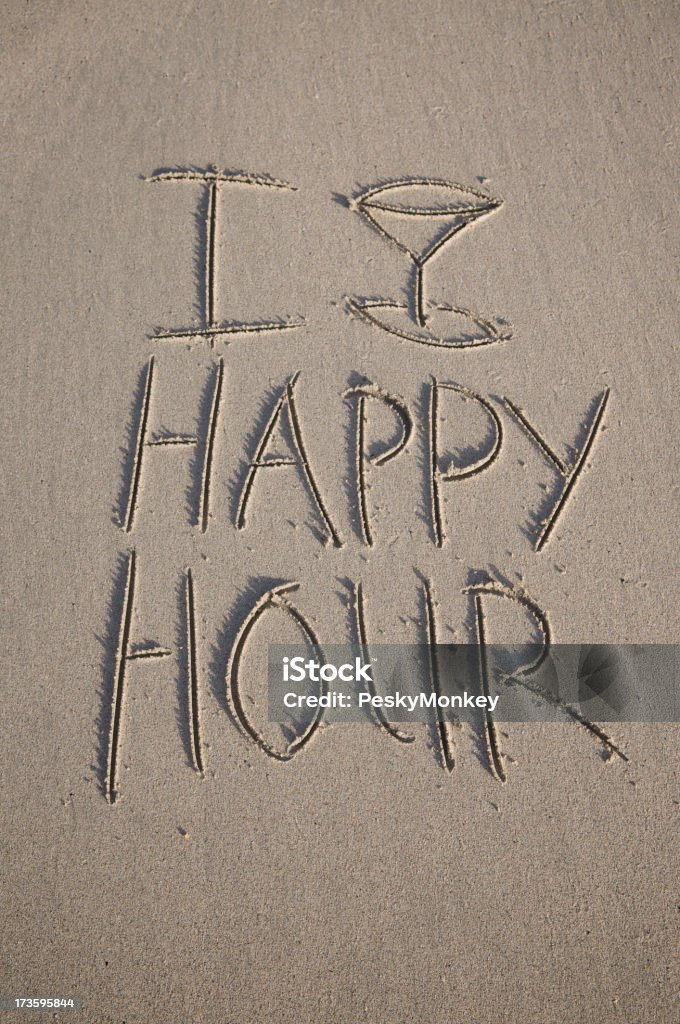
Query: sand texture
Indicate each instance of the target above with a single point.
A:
(198, 206)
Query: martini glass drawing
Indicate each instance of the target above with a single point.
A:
(420, 216)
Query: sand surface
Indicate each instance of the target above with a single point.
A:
(360, 881)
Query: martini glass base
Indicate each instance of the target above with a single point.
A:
(446, 326)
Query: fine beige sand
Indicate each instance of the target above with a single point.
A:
(360, 880)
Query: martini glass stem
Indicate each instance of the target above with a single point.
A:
(419, 296)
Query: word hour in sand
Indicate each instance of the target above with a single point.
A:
(481, 599)
(440, 467)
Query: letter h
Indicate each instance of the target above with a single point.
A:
(145, 440)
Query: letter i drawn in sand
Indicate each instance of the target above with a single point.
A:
(215, 182)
